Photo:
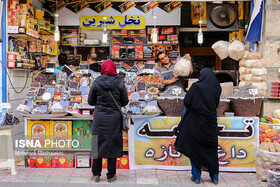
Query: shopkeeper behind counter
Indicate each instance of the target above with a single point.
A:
(62, 60)
(166, 69)
(93, 65)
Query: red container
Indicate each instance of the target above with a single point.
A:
(275, 83)
(11, 63)
(275, 87)
(274, 95)
(40, 161)
(63, 161)
(122, 162)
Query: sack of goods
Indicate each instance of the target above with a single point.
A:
(236, 50)
(182, 68)
(221, 49)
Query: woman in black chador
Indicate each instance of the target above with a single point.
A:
(198, 132)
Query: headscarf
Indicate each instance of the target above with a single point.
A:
(108, 68)
(207, 90)
(208, 79)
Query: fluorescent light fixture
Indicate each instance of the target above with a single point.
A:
(200, 36)
(154, 35)
(56, 32)
(104, 36)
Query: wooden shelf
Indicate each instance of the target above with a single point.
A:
(42, 54)
(90, 45)
(24, 37)
(21, 69)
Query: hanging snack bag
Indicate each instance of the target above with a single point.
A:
(182, 68)
(221, 49)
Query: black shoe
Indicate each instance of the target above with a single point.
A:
(215, 181)
(112, 179)
(196, 181)
(96, 178)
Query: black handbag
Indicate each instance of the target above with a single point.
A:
(125, 116)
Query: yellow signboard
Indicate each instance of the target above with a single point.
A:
(129, 22)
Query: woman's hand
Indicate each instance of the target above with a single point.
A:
(188, 57)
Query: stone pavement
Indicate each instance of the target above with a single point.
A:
(54, 177)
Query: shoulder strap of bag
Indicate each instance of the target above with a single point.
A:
(112, 98)
(115, 102)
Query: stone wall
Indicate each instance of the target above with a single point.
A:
(271, 51)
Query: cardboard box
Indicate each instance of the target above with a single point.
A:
(38, 130)
(137, 32)
(82, 131)
(49, 41)
(122, 162)
(117, 39)
(40, 161)
(119, 32)
(140, 40)
(70, 33)
(69, 41)
(11, 63)
(23, 8)
(115, 51)
(13, 21)
(63, 161)
(125, 140)
(82, 160)
(13, 12)
(39, 14)
(44, 24)
(61, 132)
(138, 51)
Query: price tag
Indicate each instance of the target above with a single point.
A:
(253, 91)
(5, 105)
(149, 66)
(176, 91)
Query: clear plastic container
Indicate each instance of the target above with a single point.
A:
(229, 114)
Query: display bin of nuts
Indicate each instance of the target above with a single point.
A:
(224, 106)
(171, 101)
(171, 106)
(273, 179)
(250, 106)
(265, 160)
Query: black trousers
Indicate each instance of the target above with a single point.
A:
(111, 166)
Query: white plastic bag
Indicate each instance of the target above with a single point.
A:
(236, 50)
(182, 68)
(221, 49)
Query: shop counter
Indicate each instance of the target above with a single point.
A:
(151, 141)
